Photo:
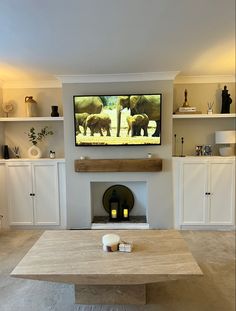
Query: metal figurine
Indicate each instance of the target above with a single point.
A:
(182, 147)
(185, 104)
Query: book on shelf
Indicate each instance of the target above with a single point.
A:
(188, 112)
(187, 109)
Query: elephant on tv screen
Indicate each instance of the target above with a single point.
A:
(141, 104)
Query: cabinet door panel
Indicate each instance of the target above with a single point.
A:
(194, 188)
(46, 203)
(19, 189)
(222, 196)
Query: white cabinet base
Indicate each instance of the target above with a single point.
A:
(36, 194)
(204, 193)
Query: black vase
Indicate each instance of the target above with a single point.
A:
(5, 152)
(55, 112)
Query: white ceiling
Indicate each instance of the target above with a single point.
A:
(42, 39)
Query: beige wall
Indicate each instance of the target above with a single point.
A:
(14, 133)
(78, 212)
(45, 97)
(1, 125)
(199, 94)
(201, 131)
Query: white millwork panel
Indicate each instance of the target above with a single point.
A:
(46, 201)
(222, 193)
(3, 197)
(20, 199)
(194, 201)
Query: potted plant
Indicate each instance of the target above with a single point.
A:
(35, 137)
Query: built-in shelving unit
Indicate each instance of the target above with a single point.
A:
(204, 116)
(30, 119)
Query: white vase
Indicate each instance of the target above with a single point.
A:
(34, 152)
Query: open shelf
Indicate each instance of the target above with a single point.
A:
(30, 119)
(204, 116)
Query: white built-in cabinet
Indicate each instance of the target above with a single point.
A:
(33, 189)
(204, 191)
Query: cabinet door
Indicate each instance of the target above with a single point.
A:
(194, 187)
(46, 202)
(221, 207)
(3, 197)
(19, 189)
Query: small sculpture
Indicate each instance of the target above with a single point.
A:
(7, 107)
(226, 101)
(182, 147)
(185, 104)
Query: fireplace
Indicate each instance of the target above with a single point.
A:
(97, 175)
(132, 194)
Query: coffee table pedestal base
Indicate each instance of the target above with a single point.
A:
(110, 294)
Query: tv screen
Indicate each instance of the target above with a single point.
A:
(133, 119)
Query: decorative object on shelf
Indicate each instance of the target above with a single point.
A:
(186, 108)
(207, 150)
(7, 107)
(16, 151)
(149, 155)
(225, 138)
(34, 151)
(31, 106)
(52, 154)
(226, 101)
(110, 242)
(185, 104)
(6, 152)
(199, 150)
(54, 112)
(182, 147)
(210, 107)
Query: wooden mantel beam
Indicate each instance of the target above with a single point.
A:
(118, 165)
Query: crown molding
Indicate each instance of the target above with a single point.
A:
(120, 77)
(205, 79)
(31, 84)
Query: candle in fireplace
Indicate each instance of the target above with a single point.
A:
(114, 205)
(125, 211)
(113, 213)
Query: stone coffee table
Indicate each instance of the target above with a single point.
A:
(108, 278)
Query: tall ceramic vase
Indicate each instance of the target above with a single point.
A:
(31, 106)
(34, 152)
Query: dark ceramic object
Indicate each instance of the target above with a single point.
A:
(55, 112)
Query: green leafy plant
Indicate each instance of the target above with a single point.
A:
(34, 137)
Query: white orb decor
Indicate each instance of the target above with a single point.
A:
(7, 107)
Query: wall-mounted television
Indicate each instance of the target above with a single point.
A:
(117, 120)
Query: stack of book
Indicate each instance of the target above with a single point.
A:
(187, 110)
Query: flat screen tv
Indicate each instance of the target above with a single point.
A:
(111, 120)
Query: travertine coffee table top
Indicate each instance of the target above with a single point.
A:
(77, 257)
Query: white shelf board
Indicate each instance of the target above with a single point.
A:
(28, 119)
(204, 116)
